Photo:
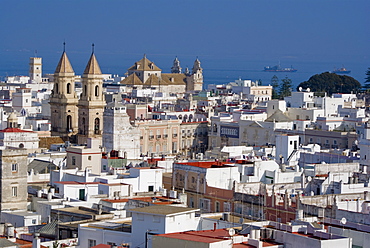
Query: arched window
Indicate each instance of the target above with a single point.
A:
(96, 90)
(69, 123)
(97, 126)
(68, 88)
(83, 122)
(57, 88)
(85, 91)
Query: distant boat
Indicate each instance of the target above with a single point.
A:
(341, 70)
(278, 68)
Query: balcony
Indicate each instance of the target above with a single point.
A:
(174, 135)
(151, 137)
(159, 136)
(165, 136)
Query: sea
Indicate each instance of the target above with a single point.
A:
(215, 70)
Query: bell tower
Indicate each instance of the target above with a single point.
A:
(35, 71)
(63, 100)
(91, 104)
(194, 81)
(176, 68)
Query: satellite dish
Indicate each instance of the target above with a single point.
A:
(309, 178)
(343, 221)
(231, 232)
(308, 89)
(300, 88)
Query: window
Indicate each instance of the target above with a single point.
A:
(151, 188)
(227, 207)
(96, 90)
(73, 160)
(140, 217)
(156, 219)
(69, 123)
(217, 207)
(97, 126)
(91, 243)
(14, 167)
(68, 88)
(14, 191)
(204, 204)
(89, 157)
(33, 221)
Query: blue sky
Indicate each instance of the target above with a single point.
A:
(216, 31)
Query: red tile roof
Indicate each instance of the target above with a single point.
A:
(206, 164)
(15, 130)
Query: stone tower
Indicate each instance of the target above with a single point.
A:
(13, 179)
(119, 134)
(176, 68)
(194, 81)
(63, 101)
(35, 71)
(91, 103)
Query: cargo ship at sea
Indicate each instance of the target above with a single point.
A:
(341, 70)
(278, 68)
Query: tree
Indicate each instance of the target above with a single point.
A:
(367, 80)
(331, 83)
(275, 85)
(285, 88)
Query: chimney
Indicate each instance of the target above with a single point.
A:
(366, 196)
(100, 209)
(36, 242)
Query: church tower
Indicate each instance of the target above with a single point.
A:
(91, 103)
(194, 81)
(63, 101)
(176, 68)
(35, 71)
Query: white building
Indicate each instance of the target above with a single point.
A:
(86, 157)
(118, 133)
(364, 145)
(160, 219)
(12, 136)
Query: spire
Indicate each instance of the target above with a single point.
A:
(176, 68)
(64, 66)
(196, 65)
(92, 66)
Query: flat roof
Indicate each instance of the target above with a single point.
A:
(23, 213)
(207, 236)
(163, 210)
(74, 182)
